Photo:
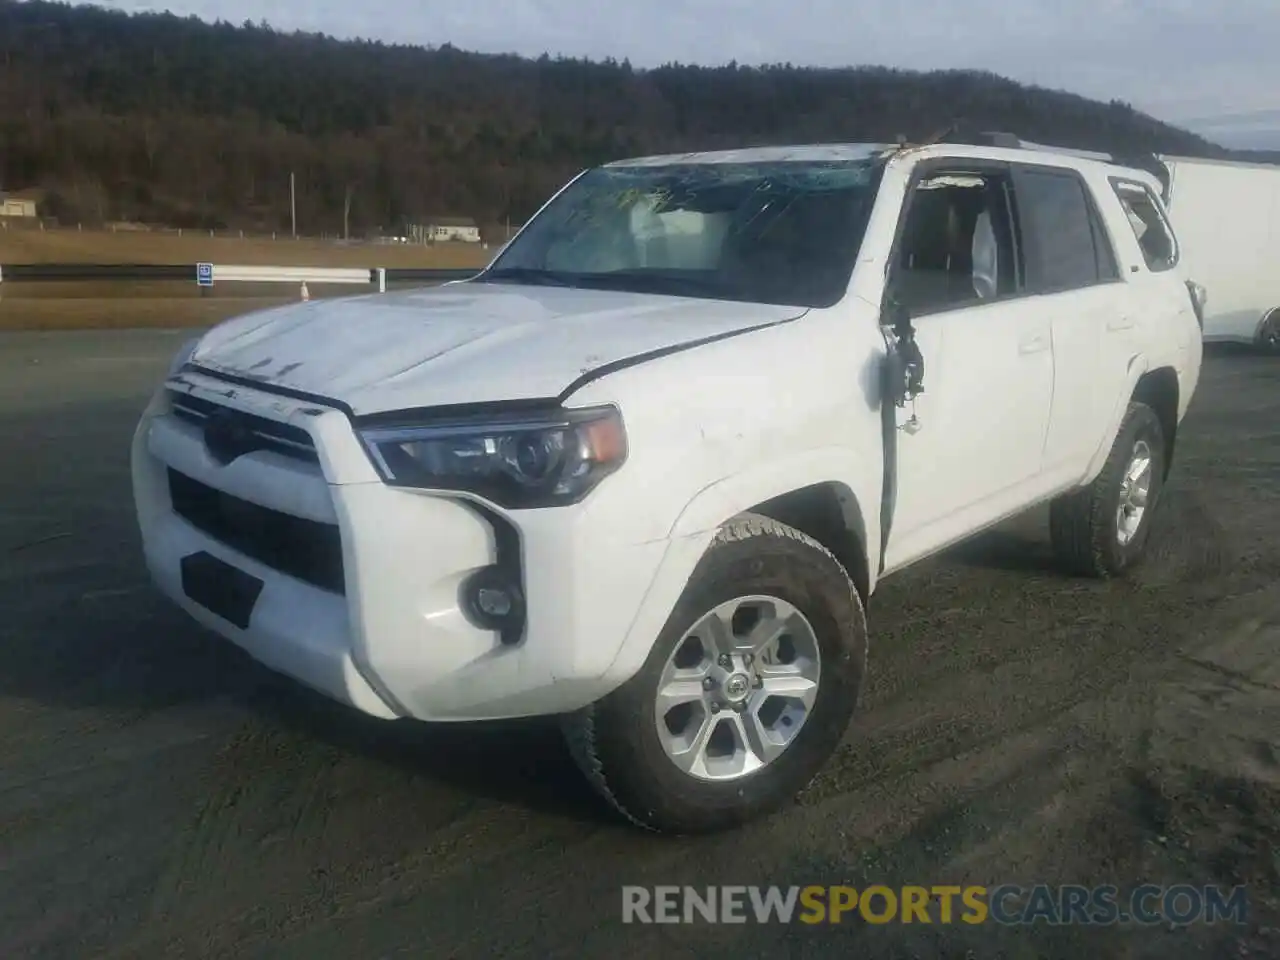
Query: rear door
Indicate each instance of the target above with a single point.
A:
(1075, 284)
(1152, 263)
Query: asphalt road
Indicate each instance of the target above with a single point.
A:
(160, 795)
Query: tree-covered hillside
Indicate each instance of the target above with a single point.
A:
(161, 118)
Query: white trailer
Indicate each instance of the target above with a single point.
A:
(1227, 219)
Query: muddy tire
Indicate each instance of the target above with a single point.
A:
(746, 693)
(1102, 530)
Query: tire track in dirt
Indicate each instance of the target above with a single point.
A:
(372, 836)
(267, 791)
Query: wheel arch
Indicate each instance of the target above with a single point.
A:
(1159, 389)
(830, 494)
(829, 512)
(1268, 315)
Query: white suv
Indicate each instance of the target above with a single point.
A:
(646, 469)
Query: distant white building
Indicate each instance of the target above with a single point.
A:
(450, 229)
(18, 204)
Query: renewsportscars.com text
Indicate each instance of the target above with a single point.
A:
(1008, 904)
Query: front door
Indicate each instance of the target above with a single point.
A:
(968, 450)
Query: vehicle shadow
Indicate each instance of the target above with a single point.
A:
(1020, 544)
(1005, 550)
(523, 762)
(1225, 349)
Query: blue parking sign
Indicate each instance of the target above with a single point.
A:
(204, 274)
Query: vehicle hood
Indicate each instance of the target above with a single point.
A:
(462, 343)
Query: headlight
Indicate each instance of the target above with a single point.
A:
(182, 356)
(538, 460)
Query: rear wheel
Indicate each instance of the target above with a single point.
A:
(746, 693)
(1269, 334)
(1102, 530)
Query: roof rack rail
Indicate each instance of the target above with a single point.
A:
(961, 133)
(1146, 161)
(998, 138)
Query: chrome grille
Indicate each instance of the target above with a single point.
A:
(282, 438)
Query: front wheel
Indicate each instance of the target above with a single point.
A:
(1101, 530)
(746, 693)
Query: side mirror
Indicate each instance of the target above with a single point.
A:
(904, 376)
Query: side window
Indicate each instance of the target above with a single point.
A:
(957, 244)
(1154, 234)
(1067, 247)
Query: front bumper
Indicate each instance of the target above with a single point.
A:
(379, 624)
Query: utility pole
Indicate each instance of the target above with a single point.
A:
(293, 205)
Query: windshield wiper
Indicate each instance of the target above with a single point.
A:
(529, 275)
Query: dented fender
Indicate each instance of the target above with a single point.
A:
(858, 480)
(729, 496)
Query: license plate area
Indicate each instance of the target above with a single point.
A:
(220, 588)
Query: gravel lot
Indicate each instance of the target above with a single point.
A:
(160, 795)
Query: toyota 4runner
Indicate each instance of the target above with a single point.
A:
(645, 470)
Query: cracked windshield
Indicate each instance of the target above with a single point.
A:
(784, 233)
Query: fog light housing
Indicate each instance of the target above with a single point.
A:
(492, 600)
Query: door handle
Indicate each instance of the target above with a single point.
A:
(1120, 323)
(1034, 344)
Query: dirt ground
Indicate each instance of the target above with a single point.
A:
(162, 796)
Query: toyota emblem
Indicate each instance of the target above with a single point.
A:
(226, 437)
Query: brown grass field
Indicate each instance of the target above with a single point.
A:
(32, 245)
(104, 305)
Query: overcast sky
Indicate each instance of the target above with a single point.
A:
(1210, 65)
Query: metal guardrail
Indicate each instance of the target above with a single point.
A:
(225, 273)
(190, 272)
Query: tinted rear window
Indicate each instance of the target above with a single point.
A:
(1067, 247)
